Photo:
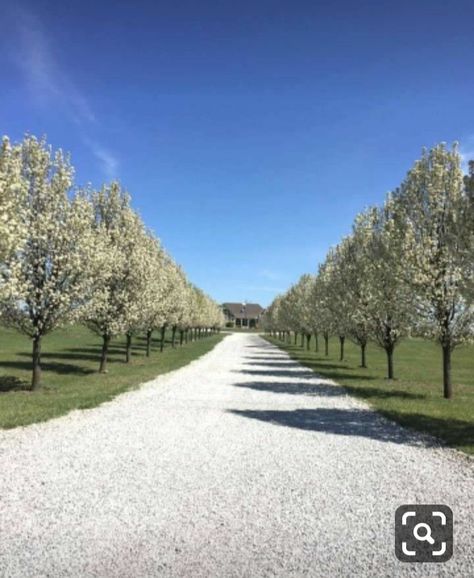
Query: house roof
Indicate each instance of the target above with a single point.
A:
(251, 310)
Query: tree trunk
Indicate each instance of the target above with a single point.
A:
(389, 350)
(181, 337)
(316, 341)
(296, 337)
(341, 347)
(148, 342)
(363, 362)
(162, 338)
(186, 335)
(128, 348)
(326, 344)
(302, 340)
(105, 353)
(447, 385)
(308, 341)
(36, 375)
(173, 337)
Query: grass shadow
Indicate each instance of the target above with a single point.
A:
(12, 383)
(454, 432)
(61, 368)
(72, 356)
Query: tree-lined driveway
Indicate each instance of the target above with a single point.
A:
(243, 463)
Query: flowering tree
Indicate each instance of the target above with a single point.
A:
(320, 297)
(389, 302)
(52, 269)
(407, 267)
(118, 235)
(336, 296)
(178, 302)
(430, 202)
(136, 289)
(13, 190)
(356, 288)
(156, 291)
(467, 240)
(302, 292)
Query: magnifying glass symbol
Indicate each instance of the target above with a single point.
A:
(425, 537)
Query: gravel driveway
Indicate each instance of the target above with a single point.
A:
(241, 464)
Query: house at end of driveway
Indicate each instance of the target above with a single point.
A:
(245, 315)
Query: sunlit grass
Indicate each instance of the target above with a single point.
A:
(70, 361)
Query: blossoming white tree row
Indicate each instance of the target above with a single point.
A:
(406, 269)
(85, 256)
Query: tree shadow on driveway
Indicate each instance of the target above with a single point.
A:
(324, 389)
(346, 422)
(294, 388)
(303, 373)
(296, 372)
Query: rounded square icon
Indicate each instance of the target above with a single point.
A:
(424, 533)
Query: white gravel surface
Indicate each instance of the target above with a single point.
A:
(241, 464)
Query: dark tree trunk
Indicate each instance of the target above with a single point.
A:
(302, 340)
(296, 337)
(173, 336)
(326, 344)
(363, 362)
(308, 340)
(36, 374)
(186, 335)
(316, 342)
(447, 385)
(105, 353)
(341, 347)
(390, 372)
(181, 337)
(162, 338)
(128, 348)
(148, 342)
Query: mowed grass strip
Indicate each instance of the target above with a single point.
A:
(70, 362)
(415, 398)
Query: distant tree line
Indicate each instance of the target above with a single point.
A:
(407, 268)
(72, 255)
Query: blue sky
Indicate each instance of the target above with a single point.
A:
(248, 133)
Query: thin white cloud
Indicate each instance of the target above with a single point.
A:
(45, 78)
(107, 160)
(50, 85)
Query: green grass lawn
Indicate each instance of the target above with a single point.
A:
(70, 360)
(415, 398)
